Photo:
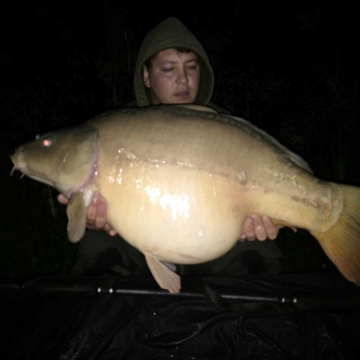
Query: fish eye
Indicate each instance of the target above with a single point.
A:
(46, 141)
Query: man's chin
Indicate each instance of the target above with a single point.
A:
(183, 99)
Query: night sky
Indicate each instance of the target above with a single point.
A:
(267, 34)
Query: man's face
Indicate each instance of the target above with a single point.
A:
(173, 77)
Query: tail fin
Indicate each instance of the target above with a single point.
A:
(341, 242)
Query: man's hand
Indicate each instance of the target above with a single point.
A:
(258, 227)
(96, 213)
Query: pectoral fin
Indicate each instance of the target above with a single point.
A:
(76, 212)
(166, 278)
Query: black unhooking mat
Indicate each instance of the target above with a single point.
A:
(307, 316)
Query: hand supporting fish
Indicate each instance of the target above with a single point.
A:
(96, 213)
(257, 227)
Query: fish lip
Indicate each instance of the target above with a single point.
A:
(17, 156)
(13, 158)
(19, 164)
(17, 159)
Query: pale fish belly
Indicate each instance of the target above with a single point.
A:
(178, 214)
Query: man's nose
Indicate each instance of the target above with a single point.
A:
(182, 77)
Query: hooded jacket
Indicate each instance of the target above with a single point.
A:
(98, 251)
(169, 34)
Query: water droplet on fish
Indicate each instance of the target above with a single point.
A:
(130, 155)
(241, 175)
(127, 153)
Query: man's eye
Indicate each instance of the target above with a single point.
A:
(193, 67)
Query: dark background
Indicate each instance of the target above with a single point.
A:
(292, 69)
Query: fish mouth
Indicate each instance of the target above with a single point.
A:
(16, 159)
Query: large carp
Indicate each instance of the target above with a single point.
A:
(179, 182)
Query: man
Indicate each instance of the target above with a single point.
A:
(173, 68)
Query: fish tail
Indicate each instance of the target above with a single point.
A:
(341, 242)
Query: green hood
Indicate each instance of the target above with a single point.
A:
(172, 33)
